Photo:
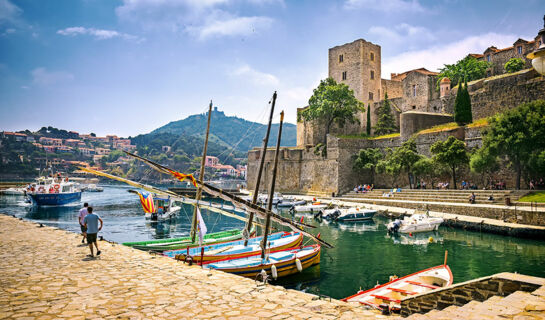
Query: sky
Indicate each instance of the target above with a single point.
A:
(127, 67)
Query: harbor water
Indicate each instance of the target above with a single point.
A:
(364, 253)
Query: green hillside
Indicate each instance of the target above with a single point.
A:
(230, 132)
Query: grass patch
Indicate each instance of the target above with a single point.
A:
(440, 127)
(538, 196)
(386, 136)
(478, 123)
(354, 136)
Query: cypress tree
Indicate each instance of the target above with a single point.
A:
(458, 104)
(468, 116)
(369, 120)
(386, 122)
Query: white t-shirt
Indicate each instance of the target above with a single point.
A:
(82, 213)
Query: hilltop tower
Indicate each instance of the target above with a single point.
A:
(358, 65)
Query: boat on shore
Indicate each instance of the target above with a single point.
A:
(388, 296)
(275, 264)
(184, 242)
(53, 191)
(237, 249)
(415, 223)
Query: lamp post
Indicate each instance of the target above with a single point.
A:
(538, 56)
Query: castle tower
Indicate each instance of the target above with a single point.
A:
(357, 64)
(444, 87)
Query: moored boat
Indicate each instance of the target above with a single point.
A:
(312, 207)
(389, 295)
(415, 223)
(291, 203)
(237, 249)
(345, 215)
(184, 242)
(276, 264)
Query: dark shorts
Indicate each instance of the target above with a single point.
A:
(91, 237)
(83, 228)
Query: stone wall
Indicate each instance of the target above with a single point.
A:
(418, 90)
(502, 284)
(393, 88)
(412, 122)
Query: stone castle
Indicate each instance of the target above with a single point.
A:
(416, 104)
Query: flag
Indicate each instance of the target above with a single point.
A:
(202, 226)
(147, 202)
(182, 177)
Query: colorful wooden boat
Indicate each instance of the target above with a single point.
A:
(281, 262)
(184, 242)
(389, 295)
(237, 249)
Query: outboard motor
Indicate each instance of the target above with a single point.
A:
(394, 226)
(154, 216)
(335, 215)
(319, 215)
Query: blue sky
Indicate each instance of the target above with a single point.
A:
(129, 66)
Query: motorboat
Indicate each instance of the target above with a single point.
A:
(264, 199)
(388, 296)
(13, 192)
(415, 223)
(348, 214)
(290, 203)
(164, 209)
(53, 191)
(93, 188)
(312, 207)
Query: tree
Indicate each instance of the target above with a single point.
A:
(462, 105)
(452, 153)
(405, 156)
(386, 122)
(331, 102)
(389, 167)
(517, 134)
(483, 162)
(514, 65)
(427, 168)
(368, 127)
(468, 68)
(367, 159)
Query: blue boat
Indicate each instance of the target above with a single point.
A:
(49, 191)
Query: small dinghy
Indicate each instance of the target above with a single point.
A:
(237, 249)
(276, 263)
(388, 296)
(414, 223)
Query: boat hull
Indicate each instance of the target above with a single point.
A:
(283, 268)
(359, 216)
(54, 199)
(184, 242)
(164, 216)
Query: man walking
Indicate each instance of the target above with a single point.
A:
(82, 213)
(91, 223)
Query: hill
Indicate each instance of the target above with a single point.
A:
(231, 132)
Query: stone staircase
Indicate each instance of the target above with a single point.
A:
(500, 296)
(432, 195)
(518, 305)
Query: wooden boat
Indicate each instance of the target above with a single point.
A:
(237, 249)
(184, 242)
(276, 264)
(389, 295)
(415, 223)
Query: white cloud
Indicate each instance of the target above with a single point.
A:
(255, 77)
(236, 26)
(386, 5)
(400, 33)
(200, 19)
(9, 13)
(99, 34)
(43, 77)
(435, 57)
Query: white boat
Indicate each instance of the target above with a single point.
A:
(311, 207)
(165, 209)
(389, 295)
(415, 223)
(53, 191)
(264, 199)
(93, 188)
(290, 203)
(15, 192)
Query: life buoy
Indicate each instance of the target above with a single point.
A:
(41, 189)
(57, 187)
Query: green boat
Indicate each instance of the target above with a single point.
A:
(184, 242)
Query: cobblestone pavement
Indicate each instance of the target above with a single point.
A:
(45, 274)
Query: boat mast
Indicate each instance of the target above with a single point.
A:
(271, 190)
(201, 176)
(259, 171)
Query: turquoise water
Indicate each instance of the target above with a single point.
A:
(363, 253)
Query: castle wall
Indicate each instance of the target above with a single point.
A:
(392, 87)
(412, 122)
(418, 90)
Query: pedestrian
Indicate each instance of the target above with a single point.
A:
(91, 223)
(82, 213)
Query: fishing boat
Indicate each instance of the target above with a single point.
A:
(344, 215)
(276, 263)
(50, 191)
(237, 249)
(388, 296)
(415, 223)
(184, 242)
(309, 208)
